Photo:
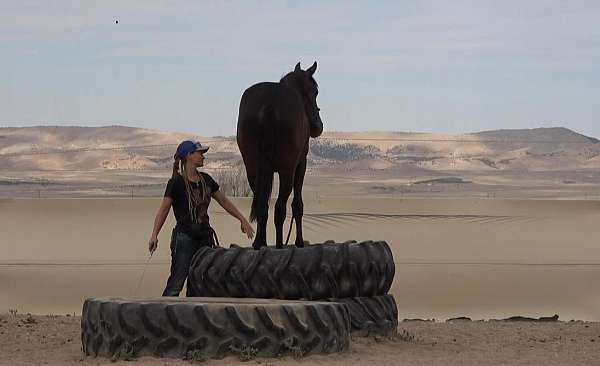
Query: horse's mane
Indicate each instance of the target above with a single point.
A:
(291, 78)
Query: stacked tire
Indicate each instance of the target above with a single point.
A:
(202, 328)
(247, 303)
(352, 273)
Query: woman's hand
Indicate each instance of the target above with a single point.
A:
(152, 244)
(233, 211)
(247, 228)
(159, 220)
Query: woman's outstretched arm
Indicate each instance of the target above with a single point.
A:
(233, 211)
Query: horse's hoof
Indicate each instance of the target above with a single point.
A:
(300, 244)
(279, 246)
(257, 246)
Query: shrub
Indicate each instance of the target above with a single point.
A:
(342, 152)
(233, 181)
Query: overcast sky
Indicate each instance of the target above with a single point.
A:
(435, 66)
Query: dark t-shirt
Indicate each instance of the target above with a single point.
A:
(176, 190)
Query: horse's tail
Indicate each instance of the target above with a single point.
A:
(266, 153)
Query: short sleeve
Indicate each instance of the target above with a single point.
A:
(169, 190)
(214, 186)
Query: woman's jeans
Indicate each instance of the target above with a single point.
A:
(183, 248)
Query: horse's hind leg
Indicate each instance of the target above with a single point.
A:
(285, 189)
(297, 204)
(260, 240)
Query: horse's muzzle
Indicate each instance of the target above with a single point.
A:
(316, 128)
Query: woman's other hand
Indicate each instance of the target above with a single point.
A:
(159, 220)
(152, 244)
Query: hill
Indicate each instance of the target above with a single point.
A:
(127, 161)
(128, 148)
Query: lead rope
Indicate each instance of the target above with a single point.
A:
(137, 290)
(214, 234)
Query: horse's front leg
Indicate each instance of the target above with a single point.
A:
(285, 189)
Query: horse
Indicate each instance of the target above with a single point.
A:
(275, 122)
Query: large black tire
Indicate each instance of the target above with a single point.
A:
(212, 327)
(315, 272)
(377, 315)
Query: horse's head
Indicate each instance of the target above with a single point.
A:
(309, 90)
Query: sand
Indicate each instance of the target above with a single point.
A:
(44, 340)
(481, 258)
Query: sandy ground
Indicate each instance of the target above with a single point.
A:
(55, 340)
(481, 258)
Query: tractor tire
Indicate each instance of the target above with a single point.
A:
(369, 316)
(204, 328)
(315, 272)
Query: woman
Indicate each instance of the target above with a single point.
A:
(190, 193)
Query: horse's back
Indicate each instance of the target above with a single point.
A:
(251, 112)
(281, 98)
(275, 107)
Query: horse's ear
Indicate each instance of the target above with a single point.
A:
(297, 67)
(312, 69)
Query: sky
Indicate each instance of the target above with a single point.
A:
(432, 66)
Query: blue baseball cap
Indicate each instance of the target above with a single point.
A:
(187, 147)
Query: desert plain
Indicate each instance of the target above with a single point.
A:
(479, 258)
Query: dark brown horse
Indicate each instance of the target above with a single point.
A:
(275, 122)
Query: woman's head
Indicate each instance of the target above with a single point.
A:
(189, 147)
(189, 154)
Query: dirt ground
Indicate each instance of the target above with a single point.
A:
(55, 340)
(482, 258)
